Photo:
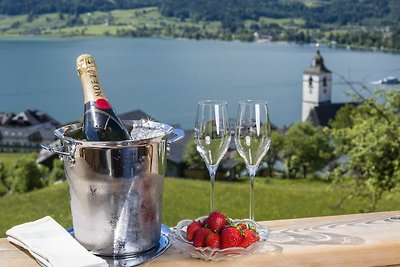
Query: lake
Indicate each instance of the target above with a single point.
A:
(167, 77)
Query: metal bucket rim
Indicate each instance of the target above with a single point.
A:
(62, 132)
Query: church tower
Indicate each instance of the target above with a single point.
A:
(317, 85)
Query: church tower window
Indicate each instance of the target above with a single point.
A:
(310, 81)
(324, 84)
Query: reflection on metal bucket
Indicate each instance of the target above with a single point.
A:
(116, 190)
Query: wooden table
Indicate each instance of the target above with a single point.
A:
(371, 239)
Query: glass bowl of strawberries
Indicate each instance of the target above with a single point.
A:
(217, 237)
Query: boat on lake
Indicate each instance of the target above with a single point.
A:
(388, 80)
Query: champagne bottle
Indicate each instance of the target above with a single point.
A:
(100, 122)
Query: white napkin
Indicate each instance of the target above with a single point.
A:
(52, 245)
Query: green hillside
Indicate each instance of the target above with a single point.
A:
(133, 22)
(185, 198)
(360, 24)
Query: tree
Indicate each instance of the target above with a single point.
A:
(192, 157)
(343, 118)
(240, 165)
(25, 175)
(57, 172)
(275, 149)
(3, 174)
(372, 143)
(306, 150)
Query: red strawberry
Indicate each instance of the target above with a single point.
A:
(246, 242)
(249, 237)
(191, 229)
(212, 240)
(230, 237)
(216, 221)
(242, 226)
(205, 222)
(200, 236)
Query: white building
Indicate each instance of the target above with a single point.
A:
(317, 106)
(25, 131)
(317, 86)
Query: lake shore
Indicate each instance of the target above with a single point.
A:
(149, 23)
(83, 37)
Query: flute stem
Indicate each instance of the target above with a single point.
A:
(212, 171)
(252, 174)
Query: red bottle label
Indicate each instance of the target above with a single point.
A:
(101, 103)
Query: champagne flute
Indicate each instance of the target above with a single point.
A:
(252, 138)
(212, 136)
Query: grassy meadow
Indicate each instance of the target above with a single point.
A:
(9, 158)
(187, 198)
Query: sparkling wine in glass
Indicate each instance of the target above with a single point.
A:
(212, 136)
(252, 138)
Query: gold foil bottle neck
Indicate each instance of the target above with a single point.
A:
(85, 63)
(87, 72)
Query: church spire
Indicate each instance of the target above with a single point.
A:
(317, 64)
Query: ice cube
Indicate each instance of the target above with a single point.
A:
(145, 129)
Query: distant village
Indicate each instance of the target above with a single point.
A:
(24, 132)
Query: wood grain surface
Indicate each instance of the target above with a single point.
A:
(371, 239)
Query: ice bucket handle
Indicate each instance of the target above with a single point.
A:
(177, 134)
(60, 152)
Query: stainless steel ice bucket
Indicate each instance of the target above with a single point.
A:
(115, 189)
